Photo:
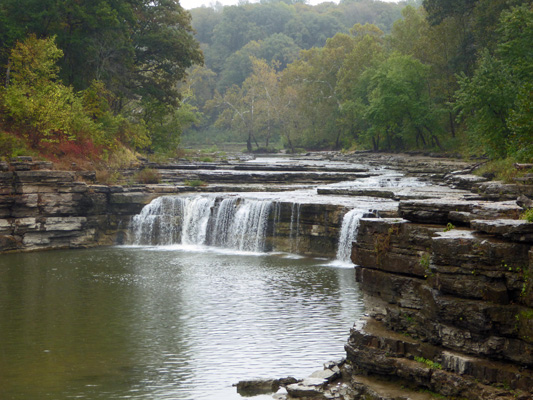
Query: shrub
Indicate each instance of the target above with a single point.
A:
(11, 146)
(108, 177)
(37, 103)
(147, 176)
(528, 215)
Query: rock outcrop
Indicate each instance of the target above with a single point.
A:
(449, 310)
(41, 208)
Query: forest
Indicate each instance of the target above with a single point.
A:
(115, 78)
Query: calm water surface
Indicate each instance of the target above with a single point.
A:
(165, 323)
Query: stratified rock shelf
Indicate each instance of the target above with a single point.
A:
(449, 309)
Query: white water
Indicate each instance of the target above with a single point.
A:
(247, 230)
(350, 226)
(234, 223)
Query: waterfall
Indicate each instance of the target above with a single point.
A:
(196, 214)
(350, 225)
(235, 223)
(248, 228)
(223, 222)
(172, 220)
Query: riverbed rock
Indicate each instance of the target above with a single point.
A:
(309, 388)
(442, 211)
(497, 191)
(253, 387)
(512, 229)
(463, 181)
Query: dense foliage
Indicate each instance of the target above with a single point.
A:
(450, 75)
(94, 74)
(90, 78)
(279, 32)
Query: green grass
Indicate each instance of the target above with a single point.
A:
(194, 183)
(429, 363)
(528, 215)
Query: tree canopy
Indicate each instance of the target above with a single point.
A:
(448, 75)
(136, 51)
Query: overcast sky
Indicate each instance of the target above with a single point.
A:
(188, 4)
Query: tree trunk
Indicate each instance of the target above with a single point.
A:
(291, 145)
(8, 72)
(249, 143)
(452, 124)
(337, 140)
(375, 143)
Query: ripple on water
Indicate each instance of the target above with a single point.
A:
(167, 324)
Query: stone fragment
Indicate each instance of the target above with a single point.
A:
(524, 201)
(257, 386)
(311, 388)
(326, 374)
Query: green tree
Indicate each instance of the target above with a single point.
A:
(400, 111)
(314, 76)
(136, 47)
(352, 83)
(39, 106)
(495, 103)
(434, 46)
(264, 81)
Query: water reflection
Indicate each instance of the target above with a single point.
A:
(165, 324)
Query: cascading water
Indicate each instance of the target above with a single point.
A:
(350, 225)
(235, 223)
(223, 222)
(248, 228)
(295, 227)
(231, 222)
(195, 219)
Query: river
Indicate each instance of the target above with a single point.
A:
(172, 322)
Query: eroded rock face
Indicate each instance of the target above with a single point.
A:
(449, 309)
(46, 209)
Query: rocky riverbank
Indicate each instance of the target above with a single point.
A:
(449, 309)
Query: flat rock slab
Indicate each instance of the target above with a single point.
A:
(255, 387)
(309, 388)
(326, 374)
(464, 181)
(379, 389)
(443, 210)
(398, 193)
(514, 229)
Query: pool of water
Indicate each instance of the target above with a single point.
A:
(166, 322)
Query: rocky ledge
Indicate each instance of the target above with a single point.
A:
(449, 309)
(42, 208)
